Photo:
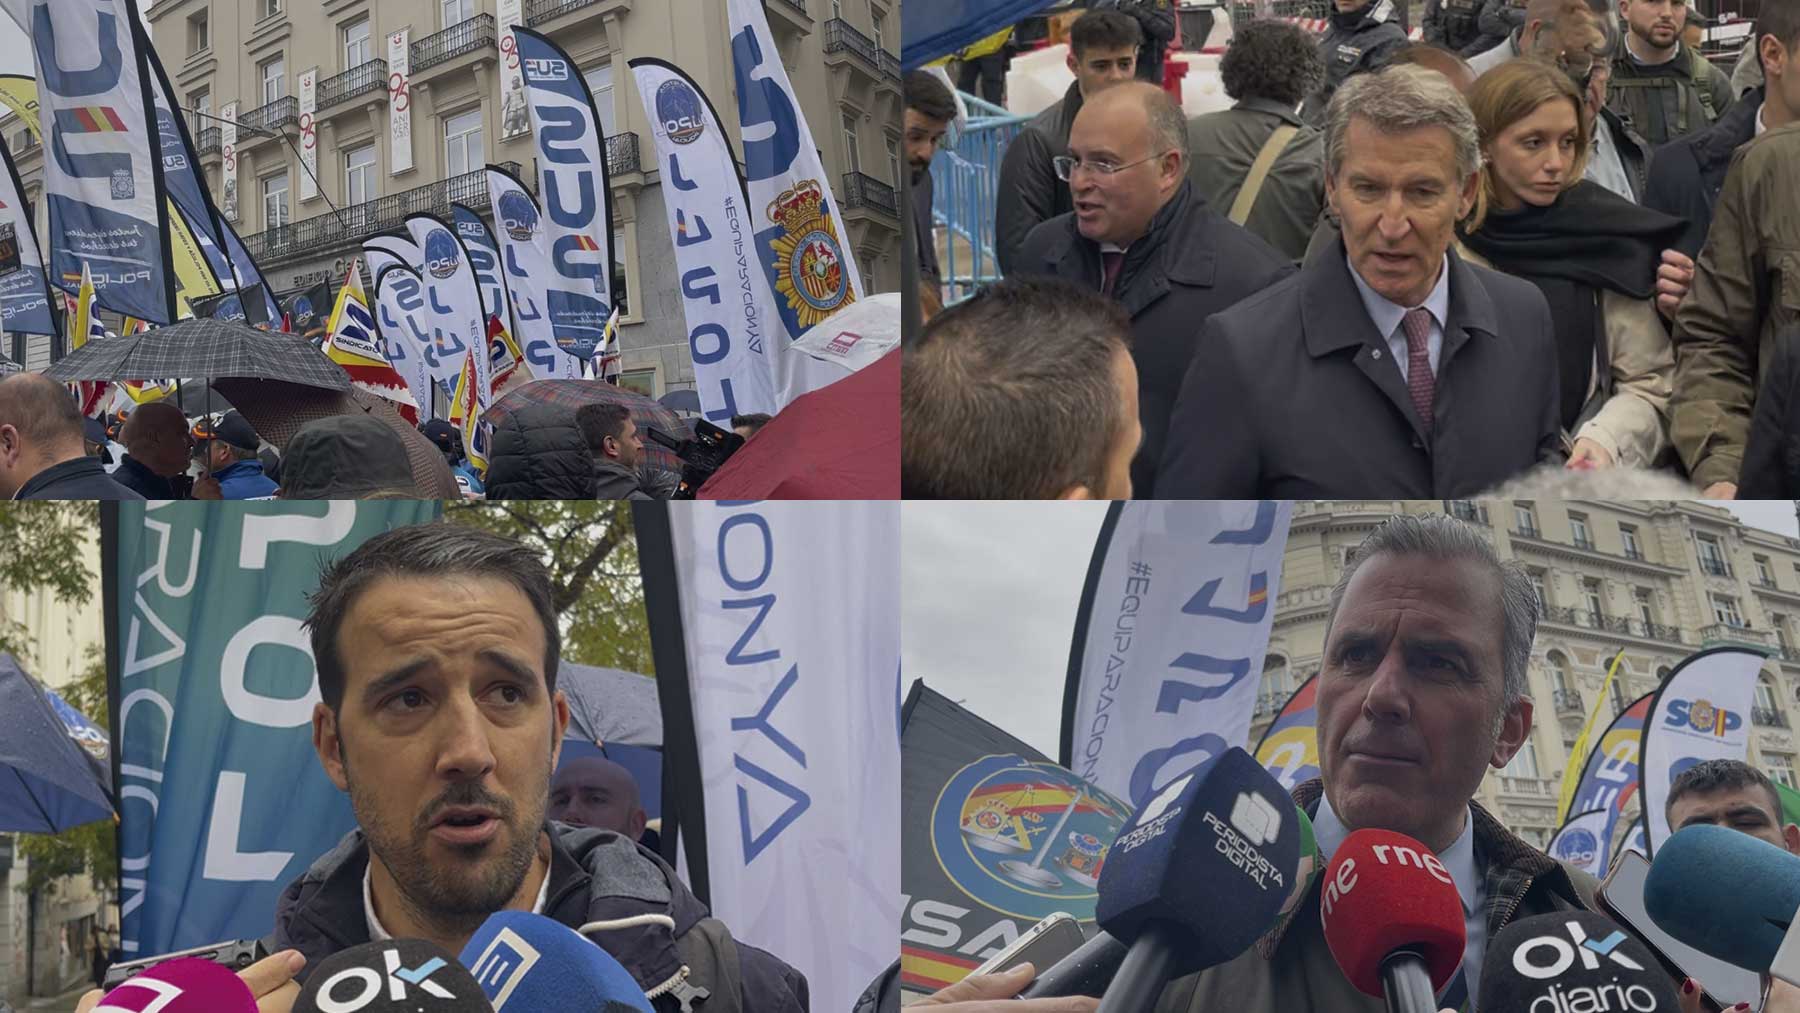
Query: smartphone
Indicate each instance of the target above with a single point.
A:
(1045, 943)
(236, 955)
(1722, 985)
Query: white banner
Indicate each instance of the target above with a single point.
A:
(1582, 844)
(400, 102)
(309, 135)
(791, 615)
(1702, 712)
(727, 308)
(801, 240)
(1170, 636)
(387, 249)
(525, 259)
(228, 163)
(515, 119)
(404, 322)
(458, 319)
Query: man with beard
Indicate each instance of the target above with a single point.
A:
(1660, 86)
(929, 109)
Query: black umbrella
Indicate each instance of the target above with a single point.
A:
(202, 348)
(681, 401)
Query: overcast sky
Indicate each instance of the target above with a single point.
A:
(988, 598)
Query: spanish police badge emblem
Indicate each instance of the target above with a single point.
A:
(809, 265)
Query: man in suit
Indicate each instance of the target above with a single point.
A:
(1388, 366)
(1142, 235)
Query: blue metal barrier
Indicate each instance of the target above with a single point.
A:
(965, 180)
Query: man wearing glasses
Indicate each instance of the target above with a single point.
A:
(1142, 235)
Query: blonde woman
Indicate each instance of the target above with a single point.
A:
(1593, 254)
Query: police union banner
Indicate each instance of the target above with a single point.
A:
(1582, 842)
(789, 615)
(525, 258)
(1169, 639)
(1701, 712)
(484, 260)
(1610, 776)
(102, 174)
(724, 297)
(24, 294)
(1289, 749)
(222, 801)
(458, 318)
(405, 325)
(577, 194)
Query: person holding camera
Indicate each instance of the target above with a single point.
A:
(618, 448)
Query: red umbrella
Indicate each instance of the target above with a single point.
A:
(839, 442)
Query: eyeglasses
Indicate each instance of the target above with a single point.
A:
(1066, 165)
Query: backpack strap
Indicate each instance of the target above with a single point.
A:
(1697, 68)
(1259, 172)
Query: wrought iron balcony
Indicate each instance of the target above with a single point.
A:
(1528, 531)
(867, 191)
(469, 36)
(1567, 700)
(353, 224)
(1583, 543)
(538, 11)
(622, 153)
(1768, 582)
(1614, 624)
(1736, 633)
(273, 116)
(799, 5)
(1633, 554)
(1716, 567)
(841, 36)
(1768, 717)
(1657, 631)
(1473, 513)
(360, 80)
(208, 141)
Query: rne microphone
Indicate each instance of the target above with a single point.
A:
(1572, 962)
(1392, 919)
(1200, 872)
(186, 985)
(1748, 921)
(391, 976)
(525, 963)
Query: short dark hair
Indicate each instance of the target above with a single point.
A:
(600, 420)
(1104, 30)
(755, 420)
(927, 95)
(1709, 776)
(1273, 60)
(438, 549)
(40, 409)
(1782, 20)
(1011, 394)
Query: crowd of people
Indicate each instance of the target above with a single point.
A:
(1554, 234)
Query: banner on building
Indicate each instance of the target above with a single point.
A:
(525, 257)
(25, 306)
(577, 194)
(400, 140)
(515, 119)
(388, 249)
(405, 324)
(1289, 748)
(795, 720)
(1701, 712)
(228, 187)
(1169, 639)
(727, 310)
(1610, 776)
(309, 134)
(458, 318)
(801, 240)
(205, 596)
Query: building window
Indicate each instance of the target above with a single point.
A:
(457, 11)
(1764, 575)
(201, 104)
(1765, 694)
(1646, 611)
(1590, 589)
(1725, 610)
(600, 82)
(621, 294)
(270, 8)
(1537, 587)
(1618, 695)
(1780, 768)
(463, 150)
(359, 175)
(1779, 622)
(357, 48)
(1628, 536)
(853, 158)
(893, 157)
(1525, 518)
(1559, 671)
(1523, 763)
(878, 18)
(1275, 673)
(1712, 559)
(1578, 527)
(275, 201)
(641, 380)
(274, 79)
(199, 33)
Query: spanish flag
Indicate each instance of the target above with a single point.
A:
(465, 409)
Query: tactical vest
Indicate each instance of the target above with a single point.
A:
(1691, 87)
(1462, 22)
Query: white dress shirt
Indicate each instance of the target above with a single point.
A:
(1387, 317)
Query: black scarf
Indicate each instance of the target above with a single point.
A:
(1591, 240)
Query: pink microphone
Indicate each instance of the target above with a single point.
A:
(186, 985)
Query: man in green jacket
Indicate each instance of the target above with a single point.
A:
(1663, 88)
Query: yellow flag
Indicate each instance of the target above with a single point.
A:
(1578, 752)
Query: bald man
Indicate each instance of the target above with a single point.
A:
(158, 446)
(593, 791)
(1141, 234)
(42, 453)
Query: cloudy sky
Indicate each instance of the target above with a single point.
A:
(989, 592)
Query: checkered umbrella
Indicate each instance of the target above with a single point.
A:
(202, 348)
(572, 394)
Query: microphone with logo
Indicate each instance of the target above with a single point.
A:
(391, 976)
(1199, 873)
(525, 963)
(1392, 919)
(1572, 962)
(187, 985)
(1749, 924)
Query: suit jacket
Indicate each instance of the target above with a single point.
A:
(1293, 394)
(1191, 264)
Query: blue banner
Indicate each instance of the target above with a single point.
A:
(181, 175)
(458, 317)
(933, 29)
(103, 181)
(524, 256)
(222, 799)
(24, 294)
(404, 322)
(576, 192)
(484, 259)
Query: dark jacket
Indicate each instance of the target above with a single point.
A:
(1225, 145)
(245, 480)
(539, 453)
(1772, 455)
(1290, 968)
(929, 271)
(1030, 194)
(1633, 151)
(1454, 24)
(615, 481)
(1669, 100)
(76, 478)
(1687, 174)
(132, 474)
(1354, 44)
(1293, 394)
(595, 875)
(1498, 20)
(1191, 264)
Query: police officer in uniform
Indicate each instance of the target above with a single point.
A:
(1454, 25)
(1499, 21)
(1663, 88)
(1361, 38)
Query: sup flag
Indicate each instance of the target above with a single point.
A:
(484, 260)
(103, 179)
(25, 306)
(351, 341)
(1610, 778)
(577, 194)
(1701, 712)
(458, 319)
(800, 238)
(1289, 748)
(402, 318)
(1169, 639)
(525, 260)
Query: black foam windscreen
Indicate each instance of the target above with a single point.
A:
(1572, 961)
(392, 976)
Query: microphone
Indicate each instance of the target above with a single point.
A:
(187, 985)
(391, 976)
(1392, 919)
(1730, 896)
(1200, 872)
(524, 963)
(1572, 961)
(1087, 971)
